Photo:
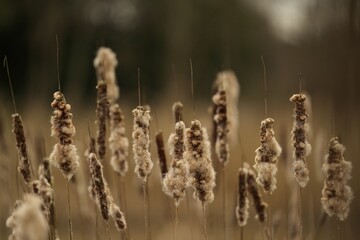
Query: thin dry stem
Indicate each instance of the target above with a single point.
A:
(204, 221)
(146, 217)
(69, 212)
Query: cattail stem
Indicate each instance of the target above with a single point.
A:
(96, 222)
(338, 228)
(125, 235)
(270, 219)
(108, 230)
(204, 221)
(147, 232)
(300, 211)
(123, 204)
(189, 215)
(69, 211)
(224, 199)
(176, 221)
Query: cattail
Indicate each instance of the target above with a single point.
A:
(298, 135)
(177, 110)
(227, 81)
(141, 142)
(221, 143)
(266, 157)
(45, 176)
(27, 220)
(45, 170)
(63, 156)
(161, 153)
(105, 63)
(102, 110)
(336, 194)
(98, 185)
(242, 209)
(260, 206)
(175, 181)
(198, 156)
(43, 189)
(119, 143)
(118, 217)
(24, 162)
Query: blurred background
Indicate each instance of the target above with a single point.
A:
(319, 38)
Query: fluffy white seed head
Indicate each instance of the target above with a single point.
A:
(198, 156)
(141, 142)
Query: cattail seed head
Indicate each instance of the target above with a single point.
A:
(43, 189)
(227, 81)
(24, 162)
(118, 217)
(27, 220)
(336, 194)
(119, 143)
(102, 111)
(161, 153)
(175, 181)
(221, 143)
(177, 110)
(267, 156)
(98, 185)
(141, 142)
(242, 209)
(198, 156)
(105, 63)
(260, 206)
(298, 135)
(63, 156)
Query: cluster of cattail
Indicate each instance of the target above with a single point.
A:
(63, 156)
(176, 180)
(247, 184)
(27, 220)
(336, 194)
(298, 134)
(198, 155)
(267, 156)
(141, 142)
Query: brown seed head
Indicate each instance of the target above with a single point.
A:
(24, 162)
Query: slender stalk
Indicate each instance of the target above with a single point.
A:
(189, 215)
(108, 230)
(96, 222)
(270, 219)
(300, 213)
(224, 200)
(204, 222)
(125, 235)
(241, 233)
(146, 210)
(265, 86)
(176, 221)
(69, 211)
(339, 228)
(124, 202)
